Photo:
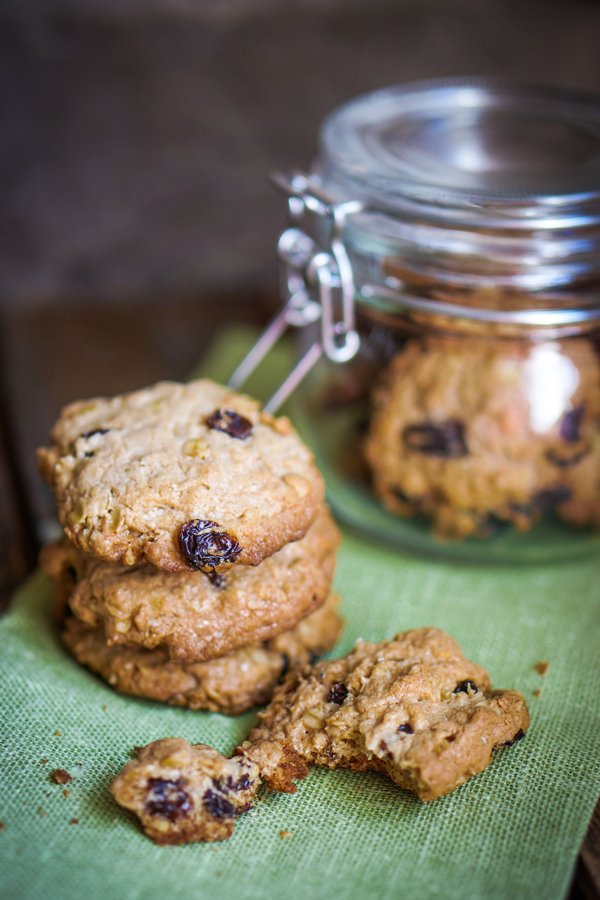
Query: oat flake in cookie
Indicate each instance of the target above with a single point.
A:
(181, 476)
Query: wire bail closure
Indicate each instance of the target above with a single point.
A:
(316, 283)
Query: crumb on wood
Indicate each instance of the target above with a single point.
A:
(541, 667)
(285, 834)
(60, 776)
(537, 693)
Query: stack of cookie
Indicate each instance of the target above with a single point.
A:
(198, 554)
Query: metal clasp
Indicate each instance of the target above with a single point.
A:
(316, 282)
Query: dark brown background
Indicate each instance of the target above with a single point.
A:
(137, 135)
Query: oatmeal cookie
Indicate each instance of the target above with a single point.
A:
(191, 615)
(183, 793)
(413, 708)
(475, 433)
(183, 476)
(230, 684)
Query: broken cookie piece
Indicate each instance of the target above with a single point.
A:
(183, 793)
(413, 708)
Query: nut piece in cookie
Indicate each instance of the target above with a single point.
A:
(183, 793)
(413, 708)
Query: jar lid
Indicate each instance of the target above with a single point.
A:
(529, 151)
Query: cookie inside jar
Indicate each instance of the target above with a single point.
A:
(468, 423)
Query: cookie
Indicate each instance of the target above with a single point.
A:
(183, 476)
(474, 434)
(183, 793)
(230, 684)
(189, 614)
(413, 708)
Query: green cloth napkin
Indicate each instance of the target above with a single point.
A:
(513, 831)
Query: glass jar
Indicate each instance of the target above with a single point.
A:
(446, 246)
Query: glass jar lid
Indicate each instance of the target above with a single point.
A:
(470, 193)
(480, 145)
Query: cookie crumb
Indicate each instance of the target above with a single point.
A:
(44, 760)
(66, 792)
(57, 733)
(41, 811)
(285, 834)
(2, 825)
(541, 667)
(73, 821)
(537, 693)
(60, 776)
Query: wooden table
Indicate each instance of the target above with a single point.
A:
(58, 353)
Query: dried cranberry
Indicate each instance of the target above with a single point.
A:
(463, 687)
(217, 805)
(403, 497)
(337, 693)
(231, 423)
(93, 432)
(565, 462)
(405, 729)
(285, 665)
(230, 785)
(570, 424)
(242, 784)
(444, 440)
(217, 580)
(553, 496)
(518, 736)
(167, 798)
(205, 546)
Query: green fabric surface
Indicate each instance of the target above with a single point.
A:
(513, 831)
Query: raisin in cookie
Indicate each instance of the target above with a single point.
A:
(189, 614)
(413, 708)
(230, 684)
(183, 793)
(472, 433)
(181, 476)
